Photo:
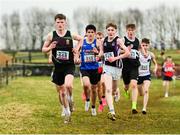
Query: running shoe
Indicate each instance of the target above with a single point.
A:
(67, 119)
(144, 111)
(134, 111)
(166, 94)
(93, 111)
(100, 108)
(104, 103)
(111, 116)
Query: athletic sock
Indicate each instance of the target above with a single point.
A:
(103, 96)
(67, 111)
(134, 105)
(112, 111)
(100, 102)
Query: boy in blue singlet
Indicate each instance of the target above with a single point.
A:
(89, 66)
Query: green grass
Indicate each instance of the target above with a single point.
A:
(173, 53)
(30, 105)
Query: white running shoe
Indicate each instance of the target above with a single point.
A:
(93, 111)
(67, 119)
(166, 95)
(112, 116)
(87, 105)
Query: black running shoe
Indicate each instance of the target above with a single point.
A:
(134, 111)
(144, 112)
(111, 116)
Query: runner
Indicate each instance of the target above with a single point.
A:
(168, 71)
(131, 64)
(113, 64)
(144, 79)
(60, 42)
(101, 84)
(89, 66)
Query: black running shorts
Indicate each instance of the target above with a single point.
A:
(58, 76)
(129, 73)
(93, 75)
(141, 79)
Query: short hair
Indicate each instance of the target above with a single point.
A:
(145, 40)
(169, 57)
(162, 53)
(111, 25)
(100, 33)
(60, 16)
(131, 25)
(90, 27)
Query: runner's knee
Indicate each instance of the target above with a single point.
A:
(69, 86)
(145, 92)
(108, 91)
(86, 86)
(134, 86)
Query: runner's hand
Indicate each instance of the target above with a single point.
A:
(53, 45)
(77, 61)
(112, 59)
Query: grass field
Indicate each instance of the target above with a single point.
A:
(30, 105)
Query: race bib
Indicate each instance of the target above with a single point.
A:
(62, 55)
(89, 58)
(134, 54)
(168, 69)
(108, 55)
(144, 67)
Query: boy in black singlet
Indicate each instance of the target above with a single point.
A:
(60, 43)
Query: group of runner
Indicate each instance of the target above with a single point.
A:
(103, 60)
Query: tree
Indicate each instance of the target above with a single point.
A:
(15, 26)
(5, 31)
(38, 22)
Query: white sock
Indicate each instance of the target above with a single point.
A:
(71, 97)
(67, 111)
(112, 111)
(144, 109)
(109, 99)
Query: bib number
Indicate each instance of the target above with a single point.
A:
(62, 55)
(134, 54)
(89, 58)
(144, 67)
(168, 69)
(108, 55)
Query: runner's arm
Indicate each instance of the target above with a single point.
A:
(48, 44)
(76, 50)
(154, 61)
(79, 39)
(99, 45)
(124, 48)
